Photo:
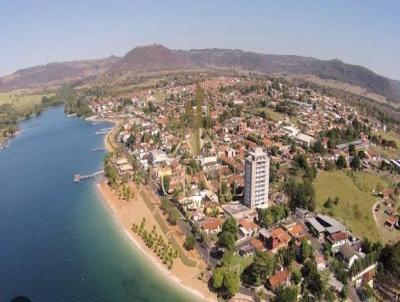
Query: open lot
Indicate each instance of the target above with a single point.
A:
(355, 200)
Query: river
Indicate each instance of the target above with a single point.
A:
(58, 242)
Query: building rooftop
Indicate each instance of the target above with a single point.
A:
(340, 236)
(279, 278)
(331, 225)
(211, 224)
(234, 209)
(316, 225)
(346, 251)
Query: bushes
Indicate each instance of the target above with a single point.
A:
(190, 242)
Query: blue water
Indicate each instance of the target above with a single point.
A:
(57, 240)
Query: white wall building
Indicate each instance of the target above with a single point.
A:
(256, 184)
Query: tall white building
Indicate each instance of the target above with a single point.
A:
(256, 177)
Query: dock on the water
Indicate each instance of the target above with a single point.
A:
(78, 177)
(104, 130)
(98, 149)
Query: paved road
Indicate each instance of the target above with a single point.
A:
(353, 295)
(203, 251)
(374, 213)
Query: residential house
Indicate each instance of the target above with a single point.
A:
(258, 245)
(348, 255)
(336, 240)
(304, 140)
(297, 232)
(278, 239)
(248, 228)
(211, 225)
(281, 278)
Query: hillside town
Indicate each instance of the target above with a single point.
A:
(234, 163)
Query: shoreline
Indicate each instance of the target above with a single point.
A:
(120, 214)
(144, 250)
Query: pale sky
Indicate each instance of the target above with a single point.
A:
(359, 32)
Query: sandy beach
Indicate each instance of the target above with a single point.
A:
(126, 213)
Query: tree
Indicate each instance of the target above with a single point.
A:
(352, 149)
(355, 163)
(331, 144)
(173, 215)
(296, 277)
(165, 204)
(301, 194)
(261, 268)
(166, 180)
(330, 295)
(318, 147)
(312, 279)
(336, 201)
(341, 162)
(217, 278)
(231, 283)
(286, 294)
(305, 251)
(226, 240)
(230, 226)
(199, 106)
(390, 258)
(328, 203)
(224, 193)
(190, 242)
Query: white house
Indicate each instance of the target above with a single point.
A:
(304, 139)
(337, 240)
(348, 255)
(290, 130)
(157, 156)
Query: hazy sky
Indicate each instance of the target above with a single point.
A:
(360, 32)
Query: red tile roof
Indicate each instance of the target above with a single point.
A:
(248, 225)
(340, 236)
(280, 234)
(279, 278)
(296, 231)
(211, 224)
(391, 220)
(257, 244)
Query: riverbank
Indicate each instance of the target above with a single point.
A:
(125, 213)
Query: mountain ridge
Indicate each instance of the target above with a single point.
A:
(158, 57)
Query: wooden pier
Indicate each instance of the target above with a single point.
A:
(78, 177)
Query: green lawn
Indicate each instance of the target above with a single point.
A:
(243, 262)
(355, 205)
(273, 115)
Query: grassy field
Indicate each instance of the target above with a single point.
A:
(388, 153)
(242, 262)
(21, 102)
(355, 200)
(277, 116)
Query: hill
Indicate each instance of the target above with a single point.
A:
(157, 57)
(55, 73)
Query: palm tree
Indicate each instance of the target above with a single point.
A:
(278, 259)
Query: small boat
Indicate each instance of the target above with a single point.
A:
(77, 178)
